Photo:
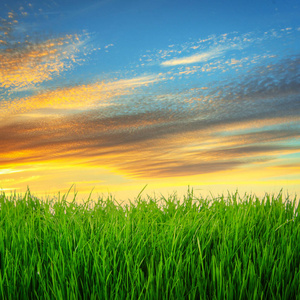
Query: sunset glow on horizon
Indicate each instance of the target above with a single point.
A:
(114, 95)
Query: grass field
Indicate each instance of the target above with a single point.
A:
(230, 248)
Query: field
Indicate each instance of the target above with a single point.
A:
(168, 248)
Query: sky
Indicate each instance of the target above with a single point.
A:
(110, 96)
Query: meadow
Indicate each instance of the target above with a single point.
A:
(230, 247)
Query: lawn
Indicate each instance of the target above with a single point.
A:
(230, 247)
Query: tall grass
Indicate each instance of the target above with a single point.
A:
(230, 248)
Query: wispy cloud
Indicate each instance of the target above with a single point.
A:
(221, 53)
(195, 58)
(32, 64)
(26, 62)
(77, 97)
(8, 171)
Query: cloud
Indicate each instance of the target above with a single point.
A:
(220, 54)
(28, 61)
(77, 97)
(36, 63)
(195, 58)
(8, 171)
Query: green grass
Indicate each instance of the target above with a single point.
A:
(230, 248)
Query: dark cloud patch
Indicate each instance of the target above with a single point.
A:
(248, 151)
(171, 169)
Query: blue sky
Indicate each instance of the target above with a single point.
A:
(114, 95)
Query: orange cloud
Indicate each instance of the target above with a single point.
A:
(27, 65)
(26, 61)
(74, 98)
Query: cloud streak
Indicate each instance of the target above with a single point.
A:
(195, 58)
(78, 97)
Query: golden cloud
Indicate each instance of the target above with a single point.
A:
(80, 97)
(25, 65)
